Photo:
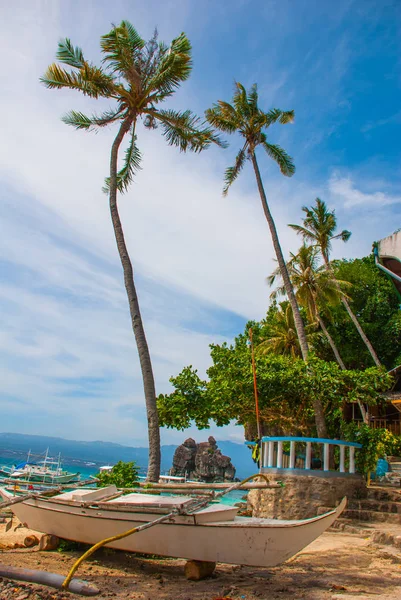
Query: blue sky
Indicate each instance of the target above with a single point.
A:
(68, 362)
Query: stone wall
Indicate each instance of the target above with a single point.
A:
(302, 496)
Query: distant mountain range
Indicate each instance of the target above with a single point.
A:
(18, 444)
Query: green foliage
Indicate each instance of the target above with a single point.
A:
(377, 443)
(122, 475)
(375, 302)
(287, 387)
(244, 116)
(138, 76)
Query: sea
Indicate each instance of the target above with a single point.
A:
(88, 468)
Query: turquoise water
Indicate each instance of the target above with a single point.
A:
(87, 470)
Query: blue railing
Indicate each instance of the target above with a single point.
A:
(273, 457)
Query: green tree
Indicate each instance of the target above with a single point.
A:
(246, 118)
(137, 77)
(315, 289)
(376, 303)
(319, 227)
(288, 390)
(123, 474)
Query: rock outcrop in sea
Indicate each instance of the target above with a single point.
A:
(203, 462)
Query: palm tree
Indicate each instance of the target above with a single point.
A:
(315, 289)
(283, 337)
(245, 117)
(136, 76)
(319, 227)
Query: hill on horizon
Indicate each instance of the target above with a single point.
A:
(110, 452)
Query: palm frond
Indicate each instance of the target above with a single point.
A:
(69, 55)
(121, 47)
(173, 68)
(280, 156)
(306, 233)
(344, 235)
(252, 98)
(240, 100)
(232, 173)
(275, 114)
(89, 80)
(132, 164)
(220, 121)
(186, 131)
(80, 121)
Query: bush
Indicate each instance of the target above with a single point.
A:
(122, 475)
(376, 443)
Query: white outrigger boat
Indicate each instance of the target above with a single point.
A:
(213, 534)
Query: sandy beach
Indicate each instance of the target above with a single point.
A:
(336, 566)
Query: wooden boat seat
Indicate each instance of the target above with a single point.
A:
(152, 501)
(85, 495)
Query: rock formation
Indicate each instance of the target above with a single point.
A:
(202, 461)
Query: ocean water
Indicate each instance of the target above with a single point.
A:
(86, 470)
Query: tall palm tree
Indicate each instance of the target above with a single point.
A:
(136, 76)
(319, 226)
(314, 287)
(245, 117)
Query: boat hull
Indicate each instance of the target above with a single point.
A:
(242, 541)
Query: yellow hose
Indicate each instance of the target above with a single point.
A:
(120, 536)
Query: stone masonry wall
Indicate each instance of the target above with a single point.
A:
(302, 496)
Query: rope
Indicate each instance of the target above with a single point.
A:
(194, 505)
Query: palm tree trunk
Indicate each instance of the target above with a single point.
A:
(331, 342)
(137, 325)
(353, 317)
(281, 262)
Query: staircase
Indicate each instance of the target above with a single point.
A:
(377, 517)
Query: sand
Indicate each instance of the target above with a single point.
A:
(336, 566)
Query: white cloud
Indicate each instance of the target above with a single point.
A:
(344, 189)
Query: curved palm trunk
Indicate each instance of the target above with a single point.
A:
(281, 262)
(317, 405)
(137, 325)
(331, 342)
(353, 317)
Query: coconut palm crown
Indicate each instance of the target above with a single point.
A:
(136, 76)
(319, 227)
(244, 116)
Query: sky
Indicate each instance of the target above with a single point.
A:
(68, 360)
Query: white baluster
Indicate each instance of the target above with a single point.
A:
(342, 459)
(263, 455)
(352, 459)
(308, 457)
(270, 454)
(326, 466)
(292, 455)
(279, 455)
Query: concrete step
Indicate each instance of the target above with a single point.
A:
(368, 516)
(371, 516)
(383, 494)
(378, 533)
(375, 505)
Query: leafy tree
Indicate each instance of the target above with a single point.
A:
(319, 227)
(246, 118)
(288, 390)
(376, 304)
(137, 77)
(122, 475)
(316, 290)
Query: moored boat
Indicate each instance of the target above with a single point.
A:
(213, 534)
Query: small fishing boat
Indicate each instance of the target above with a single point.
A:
(48, 470)
(213, 534)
